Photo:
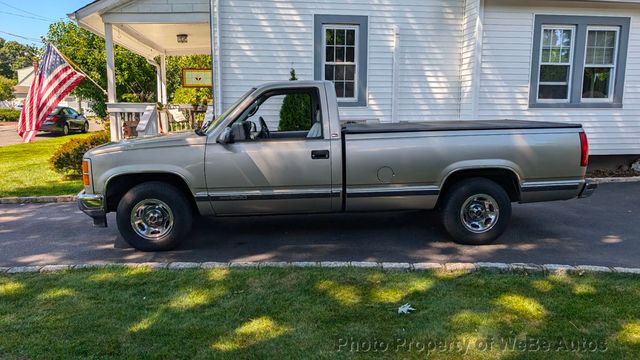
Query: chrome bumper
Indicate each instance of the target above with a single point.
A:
(93, 205)
(588, 189)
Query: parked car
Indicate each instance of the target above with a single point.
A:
(238, 165)
(65, 120)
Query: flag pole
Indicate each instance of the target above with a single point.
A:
(79, 70)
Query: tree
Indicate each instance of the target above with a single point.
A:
(14, 56)
(6, 88)
(175, 64)
(295, 111)
(135, 78)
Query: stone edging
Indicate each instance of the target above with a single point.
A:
(517, 268)
(38, 199)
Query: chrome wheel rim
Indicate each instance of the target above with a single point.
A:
(151, 219)
(479, 213)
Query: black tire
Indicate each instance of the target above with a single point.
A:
(65, 129)
(85, 127)
(161, 194)
(476, 227)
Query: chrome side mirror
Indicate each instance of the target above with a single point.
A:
(226, 137)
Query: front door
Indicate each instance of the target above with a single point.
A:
(279, 161)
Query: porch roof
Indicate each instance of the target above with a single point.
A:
(145, 31)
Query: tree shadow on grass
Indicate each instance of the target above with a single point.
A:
(301, 313)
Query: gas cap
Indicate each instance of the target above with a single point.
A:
(385, 174)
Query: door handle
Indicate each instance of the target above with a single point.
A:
(319, 154)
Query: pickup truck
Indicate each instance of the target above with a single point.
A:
(250, 161)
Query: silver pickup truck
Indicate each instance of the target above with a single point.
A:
(253, 159)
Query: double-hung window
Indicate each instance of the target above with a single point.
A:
(340, 56)
(340, 60)
(556, 58)
(600, 63)
(578, 61)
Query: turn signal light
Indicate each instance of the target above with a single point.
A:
(86, 180)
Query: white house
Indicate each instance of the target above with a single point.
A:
(409, 60)
(20, 91)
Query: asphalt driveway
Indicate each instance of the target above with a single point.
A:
(601, 230)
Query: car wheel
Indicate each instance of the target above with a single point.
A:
(85, 127)
(476, 211)
(65, 129)
(154, 216)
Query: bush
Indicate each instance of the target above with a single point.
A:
(193, 96)
(67, 159)
(295, 111)
(9, 115)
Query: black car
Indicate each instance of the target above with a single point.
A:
(65, 120)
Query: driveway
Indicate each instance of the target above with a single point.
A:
(601, 230)
(8, 134)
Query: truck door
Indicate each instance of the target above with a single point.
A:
(279, 160)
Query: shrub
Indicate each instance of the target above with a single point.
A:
(9, 115)
(67, 159)
(295, 113)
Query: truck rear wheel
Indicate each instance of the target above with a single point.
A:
(154, 216)
(476, 211)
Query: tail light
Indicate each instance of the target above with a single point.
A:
(584, 149)
(86, 178)
(55, 118)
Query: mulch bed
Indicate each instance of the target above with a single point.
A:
(612, 173)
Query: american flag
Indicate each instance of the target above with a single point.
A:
(53, 80)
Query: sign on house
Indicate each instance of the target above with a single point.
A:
(196, 78)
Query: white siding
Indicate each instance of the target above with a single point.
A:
(506, 66)
(471, 27)
(262, 40)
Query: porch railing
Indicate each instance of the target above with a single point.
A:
(129, 120)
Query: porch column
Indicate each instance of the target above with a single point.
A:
(163, 78)
(111, 79)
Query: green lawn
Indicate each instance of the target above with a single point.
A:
(25, 170)
(116, 313)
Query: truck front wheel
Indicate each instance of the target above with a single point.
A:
(154, 216)
(476, 211)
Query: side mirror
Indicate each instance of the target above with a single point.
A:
(226, 137)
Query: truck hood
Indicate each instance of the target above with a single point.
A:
(150, 142)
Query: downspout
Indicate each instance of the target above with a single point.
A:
(158, 79)
(162, 121)
(214, 12)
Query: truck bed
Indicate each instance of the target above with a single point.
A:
(453, 126)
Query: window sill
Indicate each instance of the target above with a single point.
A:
(584, 105)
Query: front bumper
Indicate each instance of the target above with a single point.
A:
(587, 190)
(93, 205)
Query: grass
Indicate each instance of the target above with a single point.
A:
(119, 313)
(25, 170)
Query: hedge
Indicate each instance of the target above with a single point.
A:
(67, 159)
(9, 115)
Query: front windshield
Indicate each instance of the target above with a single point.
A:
(213, 124)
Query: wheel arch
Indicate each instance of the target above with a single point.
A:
(504, 176)
(117, 185)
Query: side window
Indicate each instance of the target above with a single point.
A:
(285, 114)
